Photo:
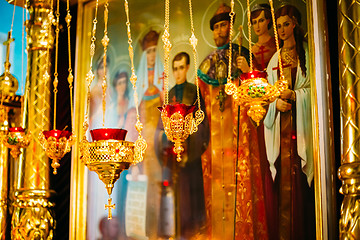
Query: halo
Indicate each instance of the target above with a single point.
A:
(206, 32)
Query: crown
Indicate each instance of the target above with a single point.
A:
(150, 39)
(221, 14)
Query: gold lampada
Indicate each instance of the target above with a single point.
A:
(254, 92)
(178, 119)
(57, 143)
(15, 139)
(109, 154)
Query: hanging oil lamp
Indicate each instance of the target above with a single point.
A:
(109, 154)
(57, 143)
(254, 92)
(178, 119)
(13, 138)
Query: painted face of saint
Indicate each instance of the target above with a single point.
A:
(285, 26)
(100, 71)
(121, 86)
(151, 56)
(260, 24)
(180, 69)
(221, 33)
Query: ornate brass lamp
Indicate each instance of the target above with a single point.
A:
(254, 92)
(109, 154)
(178, 119)
(178, 124)
(57, 143)
(15, 139)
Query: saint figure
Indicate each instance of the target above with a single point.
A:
(229, 145)
(185, 177)
(288, 132)
(150, 78)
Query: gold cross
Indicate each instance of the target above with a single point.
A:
(221, 97)
(109, 206)
(7, 44)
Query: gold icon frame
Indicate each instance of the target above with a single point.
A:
(324, 159)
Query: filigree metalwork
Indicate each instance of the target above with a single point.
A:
(108, 158)
(255, 92)
(179, 123)
(15, 140)
(57, 143)
(56, 147)
(178, 119)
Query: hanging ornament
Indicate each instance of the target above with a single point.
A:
(57, 143)
(178, 119)
(254, 92)
(109, 154)
(14, 138)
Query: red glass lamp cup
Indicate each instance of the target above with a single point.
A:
(57, 134)
(181, 108)
(17, 129)
(108, 133)
(253, 74)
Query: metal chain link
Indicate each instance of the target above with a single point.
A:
(232, 13)
(167, 48)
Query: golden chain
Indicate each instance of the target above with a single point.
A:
(12, 21)
(193, 41)
(47, 26)
(232, 13)
(167, 48)
(133, 77)
(22, 58)
(249, 31)
(105, 43)
(90, 75)
(276, 39)
(56, 80)
(140, 143)
(70, 76)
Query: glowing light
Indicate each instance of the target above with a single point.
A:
(165, 183)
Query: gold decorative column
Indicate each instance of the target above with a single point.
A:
(4, 163)
(33, 217)
(349, 66)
